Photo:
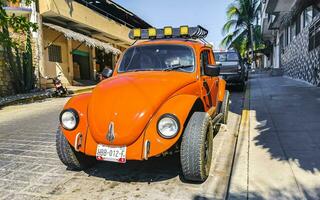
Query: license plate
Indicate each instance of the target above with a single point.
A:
(113, 154)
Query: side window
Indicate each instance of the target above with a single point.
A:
(204, 60)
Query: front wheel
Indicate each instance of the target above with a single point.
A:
(72, 159)
(196, 147)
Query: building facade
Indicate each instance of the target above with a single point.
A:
(77, 38)
(6, 88)
(293, 29)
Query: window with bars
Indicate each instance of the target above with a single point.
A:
(54, 52)
(308, 15)
(314, 35)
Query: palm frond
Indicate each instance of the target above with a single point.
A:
(233, 11)
(228, 25)
(227, 40)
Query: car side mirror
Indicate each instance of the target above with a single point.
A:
(106, 73)
(212, 70)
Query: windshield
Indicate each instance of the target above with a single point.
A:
(226, 56)
(158, 58)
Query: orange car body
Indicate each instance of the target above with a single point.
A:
(134, 101)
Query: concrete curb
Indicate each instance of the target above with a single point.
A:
(225, 143)
(244, 128)
(38, 97)
(25, 99)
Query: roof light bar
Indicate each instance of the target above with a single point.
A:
(186, 32)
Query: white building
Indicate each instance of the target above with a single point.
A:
(293, 29)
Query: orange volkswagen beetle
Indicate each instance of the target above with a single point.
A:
(164, 94)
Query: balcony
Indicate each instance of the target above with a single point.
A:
(84, 18)
(276, 6)
(114, 11)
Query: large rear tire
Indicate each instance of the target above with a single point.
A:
(196, 147)
(72, 159)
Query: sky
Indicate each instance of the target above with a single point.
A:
(210, 14)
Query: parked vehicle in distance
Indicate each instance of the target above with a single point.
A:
(233, 68)
(164, 95)
(60, 91)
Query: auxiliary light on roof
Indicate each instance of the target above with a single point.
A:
(184, 30)
(137, 33)
(152, 32)
(168, 32)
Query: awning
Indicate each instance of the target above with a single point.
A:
(91, 42)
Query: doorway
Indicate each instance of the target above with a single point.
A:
(81, 65)
(104, 60)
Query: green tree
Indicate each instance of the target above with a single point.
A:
(241, 29)
(17, 53)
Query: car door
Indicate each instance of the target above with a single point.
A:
(215, 81)
(207, 82)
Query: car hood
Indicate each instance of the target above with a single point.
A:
(128, 101)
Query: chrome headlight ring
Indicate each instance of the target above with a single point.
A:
(69, 119)
(168, 126)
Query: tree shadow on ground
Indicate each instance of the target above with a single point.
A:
(288, 121)
(277, 193)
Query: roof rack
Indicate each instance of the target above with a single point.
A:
(168, 32)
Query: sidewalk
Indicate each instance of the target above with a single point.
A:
(40, 95)
(278, 152)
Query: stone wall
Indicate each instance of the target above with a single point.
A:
(6, 87)
(300, 63)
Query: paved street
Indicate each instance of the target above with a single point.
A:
(278, 157)
(30, 168)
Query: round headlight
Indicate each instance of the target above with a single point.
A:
(168, 126)
(69, 119)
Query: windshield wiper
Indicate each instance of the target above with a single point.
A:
(177, 67)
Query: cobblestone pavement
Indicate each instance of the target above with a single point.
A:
(30, 168)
